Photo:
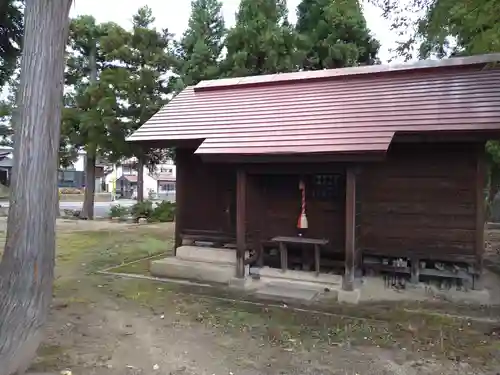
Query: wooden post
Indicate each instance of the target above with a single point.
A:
(180, 191)
(415, 270)
(317, 252)
(284, 257)
(480, 215)
(350, 229)
(241, 185)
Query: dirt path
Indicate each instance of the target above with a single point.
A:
(94, 330)
(117, 337)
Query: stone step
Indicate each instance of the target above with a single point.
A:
(286, 293)
(174, 267)
(305, 278)
(207, 254)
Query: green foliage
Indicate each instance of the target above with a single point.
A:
(161, 212)
(143, 62)
(444, 27)
(92, 117)
(334, 34)
(118, 211)
(200, 47)
(11, 34)
(262, 41)
(7, 110)
(142, 209)
(164, 212)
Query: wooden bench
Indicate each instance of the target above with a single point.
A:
(283, 241)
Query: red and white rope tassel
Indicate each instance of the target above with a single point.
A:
(302, 222)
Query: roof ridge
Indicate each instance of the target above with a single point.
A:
(225, 83)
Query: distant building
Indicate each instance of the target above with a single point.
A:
(158, 184)
(5, 164)
(74, 175)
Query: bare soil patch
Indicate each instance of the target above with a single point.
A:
(108, 325)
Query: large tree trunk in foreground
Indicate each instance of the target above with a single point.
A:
(89, 193)
(27, 268)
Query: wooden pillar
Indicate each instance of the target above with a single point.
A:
(350, 230)
(241, 186)
(180, 192)
(480, 214)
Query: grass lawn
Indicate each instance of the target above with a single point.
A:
(382, 325)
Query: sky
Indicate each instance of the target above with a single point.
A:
(174, 15)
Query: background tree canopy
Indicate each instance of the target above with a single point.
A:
(11, 34)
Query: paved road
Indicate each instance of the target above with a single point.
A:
(101, 209)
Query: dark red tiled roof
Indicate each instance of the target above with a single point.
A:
(130, 177)
(343, 110)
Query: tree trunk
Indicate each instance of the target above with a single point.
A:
(27, 267)
(88, 198)
(58, 207)
(140, 179)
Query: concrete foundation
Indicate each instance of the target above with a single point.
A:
(205, 264)
(351, 297)
(218, 265)
(207, 254)
(198, 271)
(304, 278)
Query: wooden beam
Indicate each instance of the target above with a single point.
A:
(295, 158)
(350, 230)
(241, 187)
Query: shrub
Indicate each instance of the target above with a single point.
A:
(69, 190)
(118, 211)
(164, 212)
(142, 209)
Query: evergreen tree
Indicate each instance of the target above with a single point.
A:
(334, 34)
(201, 45)
(262, 40)
(95, 81)
(11, 34)
(147, 57)
(444, 27)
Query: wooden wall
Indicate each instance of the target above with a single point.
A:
(274, 203)
(422, 200)
(206, 200)
(205, 193)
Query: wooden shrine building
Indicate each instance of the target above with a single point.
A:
(379, 161)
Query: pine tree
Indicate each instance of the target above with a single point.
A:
(334, 34)
(96, 83)
(262, 40)
(146, 58)
(201, 45)
(11, 33)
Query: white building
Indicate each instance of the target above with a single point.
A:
(121, 179)
(157, 184)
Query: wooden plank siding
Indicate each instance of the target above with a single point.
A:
(422, 200)
(274, 209)
(208, 197)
